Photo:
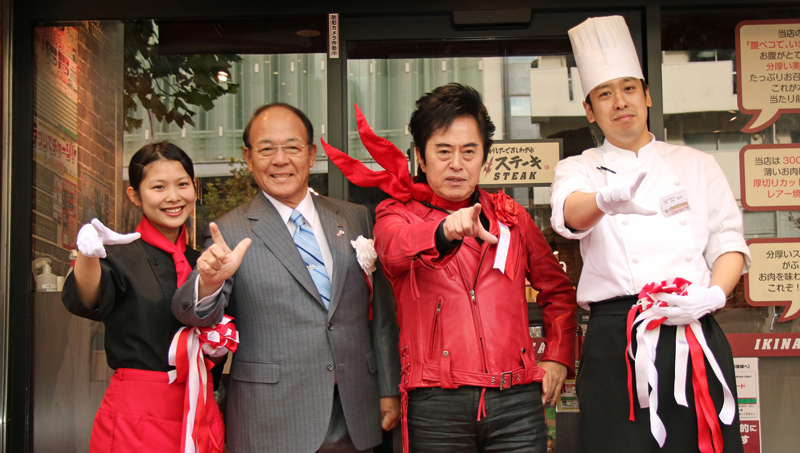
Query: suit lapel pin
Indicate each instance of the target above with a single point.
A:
(341, 231)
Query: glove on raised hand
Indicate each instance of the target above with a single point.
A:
(697, 302)
(94, 236)
(614, 200)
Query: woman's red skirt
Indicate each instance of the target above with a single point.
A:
(142, 412)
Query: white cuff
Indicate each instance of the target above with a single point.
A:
(206, 301)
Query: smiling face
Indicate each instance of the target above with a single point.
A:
(619, 107)
(166, 196)
(282, 176)
(453, 159)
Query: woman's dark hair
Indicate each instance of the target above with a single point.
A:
(306, 122)
(152, 152)
(439, 108)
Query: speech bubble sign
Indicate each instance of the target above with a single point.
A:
(768, 66)
(770, 177)
(774, 276)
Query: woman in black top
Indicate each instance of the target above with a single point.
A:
(128, 283)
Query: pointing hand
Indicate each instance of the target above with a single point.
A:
(466, 222)
(218, 262)
(93, 236)
(614, 200)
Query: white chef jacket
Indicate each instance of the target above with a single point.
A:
(623, 253)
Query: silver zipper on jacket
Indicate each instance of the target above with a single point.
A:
(476, 314)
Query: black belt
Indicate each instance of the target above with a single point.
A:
(612, 307)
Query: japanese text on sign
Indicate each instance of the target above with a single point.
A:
(768, 58)
(770, 177)
(746, 369)
(333, 33)
(774, 276)
(529, 162)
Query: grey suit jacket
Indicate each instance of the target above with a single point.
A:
(282, 383)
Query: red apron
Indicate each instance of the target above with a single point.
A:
(142, 413)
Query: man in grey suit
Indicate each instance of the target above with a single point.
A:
(312, 372)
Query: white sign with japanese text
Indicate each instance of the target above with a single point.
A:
(768, 62)
(333, 35)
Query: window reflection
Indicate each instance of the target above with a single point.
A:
(214, 142)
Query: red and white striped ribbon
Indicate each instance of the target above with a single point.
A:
(187, 354)
(368, 278)
(690, 341)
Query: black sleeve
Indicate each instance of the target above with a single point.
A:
(112, 283)
(444, 245)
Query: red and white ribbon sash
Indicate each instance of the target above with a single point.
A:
(689, 341)
(187, 354)
(502, 247)
(368, 278)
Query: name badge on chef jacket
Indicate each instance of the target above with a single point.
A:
(675, 203)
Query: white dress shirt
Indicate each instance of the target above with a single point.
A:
(623, 253)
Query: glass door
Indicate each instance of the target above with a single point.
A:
(526, 75)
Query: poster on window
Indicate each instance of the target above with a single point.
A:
(773, 279)
(768, 62)
(770, 177)
(55, 136)
(56, 74)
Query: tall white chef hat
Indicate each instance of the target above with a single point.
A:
(604, 51)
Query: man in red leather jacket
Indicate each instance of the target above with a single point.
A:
(458, 258)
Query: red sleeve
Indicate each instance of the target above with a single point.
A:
(402, 237)
(556, 297)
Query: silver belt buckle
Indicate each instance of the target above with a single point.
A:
(506, 378)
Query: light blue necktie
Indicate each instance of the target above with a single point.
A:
(309, 249)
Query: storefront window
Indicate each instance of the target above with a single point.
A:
(699, 74)
(520, 106)
(214, 142)
(102, 90)
(532, 92)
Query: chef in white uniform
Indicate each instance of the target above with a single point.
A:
(644, 211)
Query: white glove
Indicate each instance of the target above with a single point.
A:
(94, 236)
(614, 200)
(211, 351)
(698, 302)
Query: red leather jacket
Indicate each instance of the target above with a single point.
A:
(462, 322)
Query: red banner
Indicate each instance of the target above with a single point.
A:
(764, 344)
(751, 432)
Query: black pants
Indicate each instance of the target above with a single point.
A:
(445, 421)
(603, 390)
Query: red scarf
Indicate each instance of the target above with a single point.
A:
(448, 205)
(396, 181)
(152, 236)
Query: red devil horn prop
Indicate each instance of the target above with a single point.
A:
(385, 153)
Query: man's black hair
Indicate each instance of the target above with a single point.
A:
(439, 108)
